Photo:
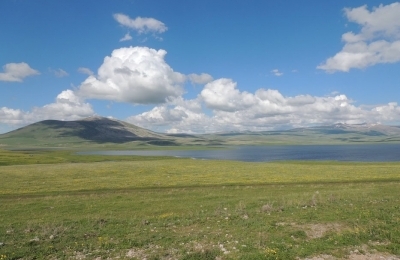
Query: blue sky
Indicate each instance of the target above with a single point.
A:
(200, 66)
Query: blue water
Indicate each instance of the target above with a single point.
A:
(361, 153)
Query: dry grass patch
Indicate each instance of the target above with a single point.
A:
(316, 230)
(357, 256)
(362, 252)
(319, 230)
(374, 256)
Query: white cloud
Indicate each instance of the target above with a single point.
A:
(377, 42)
(160, 116)
(141, 24)
(10, 116)
(276, 72)
(180, 116)
(201, 79)
(231, 110)
(140, 75)
(265, 109)
(67, 106)
(127, 37)
(382, 21)
(137, 75)
(59, 73)
(387, 113)
(221, 94)
(85, 71)
(16, 72)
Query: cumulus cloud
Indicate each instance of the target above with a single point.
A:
(265, 109)
(137, 75)
(140, 75)
(127, 37)
(276, 72)
(160, 116)
(180, 116)
(221, 94)
(59, 73)
(85, 71)
(10, 116)
(140, 24)
(67, 106)
(16, 72)
(387, 113)
(201, 79)
(377, 42)
(229, 109)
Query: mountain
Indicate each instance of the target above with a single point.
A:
(105, 132)
(355, 132)
(330, 134)
(97, 130)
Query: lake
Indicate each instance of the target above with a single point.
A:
(361, 153)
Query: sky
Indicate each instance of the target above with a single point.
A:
(205, 66)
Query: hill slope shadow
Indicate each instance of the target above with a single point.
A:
(101, 130)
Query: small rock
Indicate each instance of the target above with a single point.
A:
(51, 237)
(36, 239)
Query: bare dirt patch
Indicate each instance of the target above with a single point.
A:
(356, 256)
(375, 256)
(319, 230)
(359, 253)
(136, 253)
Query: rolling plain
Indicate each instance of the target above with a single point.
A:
(59, 205)
(56, 204)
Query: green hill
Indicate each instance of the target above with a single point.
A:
(89, 131)
(100, 132)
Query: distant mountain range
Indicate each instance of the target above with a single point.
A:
(106, 132)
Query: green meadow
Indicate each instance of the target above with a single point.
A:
(59, 205)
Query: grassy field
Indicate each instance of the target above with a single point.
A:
(58, 205)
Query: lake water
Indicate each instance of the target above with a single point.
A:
(362, 153)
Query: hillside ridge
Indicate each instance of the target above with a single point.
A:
(94, 129)
(97, 130)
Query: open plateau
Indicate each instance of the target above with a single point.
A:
(57, 203)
